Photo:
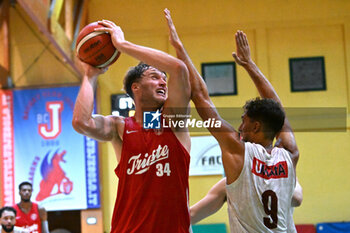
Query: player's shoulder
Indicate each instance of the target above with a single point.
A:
(110, 117)
(116, 121)
(40, 206)
(255, 150)
(251, 147)
(281, 151)
(116, 118)
(16, 206)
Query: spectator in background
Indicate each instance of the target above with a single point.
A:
(30, 215)
(8, 221)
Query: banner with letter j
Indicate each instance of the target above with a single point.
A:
(61, 164)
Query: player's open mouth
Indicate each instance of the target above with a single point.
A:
(161, 92)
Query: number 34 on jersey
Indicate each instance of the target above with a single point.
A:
(163, 170)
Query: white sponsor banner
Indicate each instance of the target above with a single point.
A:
(205, 156)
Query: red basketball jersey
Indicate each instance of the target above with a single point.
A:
(153, 183)
(31, 220)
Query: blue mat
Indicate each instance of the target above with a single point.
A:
(209, 228)
(333, 227)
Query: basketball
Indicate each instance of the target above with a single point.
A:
(96, 47)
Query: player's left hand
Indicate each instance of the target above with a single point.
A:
(242, 57)
(115, 31)
(173, 37)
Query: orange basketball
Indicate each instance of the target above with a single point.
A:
(96, 47)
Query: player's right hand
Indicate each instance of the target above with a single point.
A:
(89, 70)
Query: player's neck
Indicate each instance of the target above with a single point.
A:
(268, 147)
(138, 116)
(266, 143)
(25, 206)
(146, 104)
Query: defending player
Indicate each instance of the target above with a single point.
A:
(260, 177)
(217, 196)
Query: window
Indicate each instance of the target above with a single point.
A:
(307, 74)
(220, 78)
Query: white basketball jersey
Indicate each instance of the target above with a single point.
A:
(260, 199)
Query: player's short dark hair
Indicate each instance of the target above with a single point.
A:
(24, 183)
(7, 208)
(133, 75)
(267, 111)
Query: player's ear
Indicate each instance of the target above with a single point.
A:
(135, 86)
(257, 126)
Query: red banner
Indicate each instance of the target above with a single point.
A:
(7, 148)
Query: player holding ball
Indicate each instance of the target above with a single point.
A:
(153, 166)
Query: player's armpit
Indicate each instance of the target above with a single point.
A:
(102, 128)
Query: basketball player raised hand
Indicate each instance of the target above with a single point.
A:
(260, 178)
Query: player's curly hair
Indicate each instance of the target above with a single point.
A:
(268, 112)
(133, 75)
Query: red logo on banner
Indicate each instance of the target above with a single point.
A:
(54, 108)
(53, 175)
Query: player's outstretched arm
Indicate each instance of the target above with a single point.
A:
(197, 88)
(178, 81)
(242, 57)
(98, 127)
(199, 91)
(211, 203)
(231, 146)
